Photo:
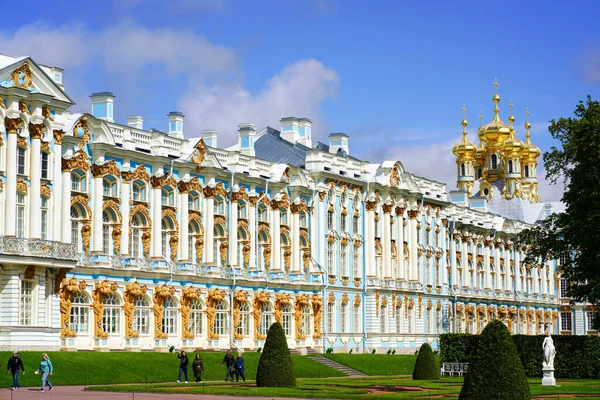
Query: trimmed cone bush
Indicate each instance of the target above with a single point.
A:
(275, 368)
(495, 371)
(425, 367)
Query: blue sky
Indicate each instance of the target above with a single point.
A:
(392, 74)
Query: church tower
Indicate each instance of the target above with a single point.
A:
(501, 165)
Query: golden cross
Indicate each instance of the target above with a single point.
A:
(496, 84)
(527, 114)
(511, 107)
(464, 109)
(480, 118)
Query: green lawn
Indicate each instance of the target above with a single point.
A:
(96, 368)
(377, 364)
(346, 388)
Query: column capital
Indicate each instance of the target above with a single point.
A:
(36, 130)
(387, 208)
(13, 124)
(413, 214)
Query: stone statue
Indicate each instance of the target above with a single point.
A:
(549, 352)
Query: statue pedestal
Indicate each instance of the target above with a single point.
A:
(548, 376)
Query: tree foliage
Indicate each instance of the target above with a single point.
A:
(575, 232)
(275, 368)
(495, 371)
(426, 367)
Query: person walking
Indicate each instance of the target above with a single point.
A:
(14, 363)
(239, 368)
(198, 367)
(183, 365)
(45, 368)
(228, 361)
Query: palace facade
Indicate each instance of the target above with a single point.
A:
(116, 237)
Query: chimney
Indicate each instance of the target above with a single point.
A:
(210, 138)
(337, 142)
(135, 121)
(102, 105)
(305, 131)
(246, 141)
(176, 124)
(289, 129)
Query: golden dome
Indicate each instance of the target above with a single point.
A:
(465, 149)
(512, 144)
(530, 151)
(496, 131)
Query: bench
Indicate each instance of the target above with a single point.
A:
(454, 369)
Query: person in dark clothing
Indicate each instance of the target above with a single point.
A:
(228, 361)
(183, 365)
(198, 367)
(14, 363)
(239, 368)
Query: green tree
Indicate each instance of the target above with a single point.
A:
(575, 232)
(275, 368)
(495, 371)
(426, 367)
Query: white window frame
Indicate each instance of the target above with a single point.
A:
(26, 302)
(111, 315)
(141, 316)
(80, 312)
(244, 324)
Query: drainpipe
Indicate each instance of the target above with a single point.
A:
(267, 180)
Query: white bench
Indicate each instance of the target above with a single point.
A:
(454, 369)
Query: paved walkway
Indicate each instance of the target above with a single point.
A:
(76, 392)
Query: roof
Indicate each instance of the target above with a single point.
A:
(271, 147)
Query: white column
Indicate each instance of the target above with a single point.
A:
(209, 228)
(65, 205)
(125, 195)
(276, 238)
(320, 221)
(534, 277)
(183, 226)
(412, 224)
(443, 258)
(517, 270)
(156, 212)
(57, 198)
(453, 274)
(551, 283)
(497, 267)
(233, 237)
(509, 276)
(252, 228)
(35, 201)
(400, 243)
(97, 200)
(10, 192)
(387, 243)
(465, 265)
(296, 262)
(487, 266)
(369, 246)
(544, 288)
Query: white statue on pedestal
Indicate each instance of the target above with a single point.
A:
(548, 363)
(549, 352)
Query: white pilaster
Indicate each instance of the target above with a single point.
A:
(509, 275)
(443, 258)
(156, 211)
(233, 234)
(276, 238)
(184, 227)
(10, 191)
(65, 205)
(35, 199)
(544, 289)
(412, 223)
(209, 230)
(465, 265)
(125, 196)
(57, 198)
(487, 266)
(453, 275)
(497, 268)
(400, 246)
(551, 283)
(252, 228)
(97, 200)
(517, 271)
(387, 243)
(369, 246)
(534, 277)
(296, 262)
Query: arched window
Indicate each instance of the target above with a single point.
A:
(141, 315)
(344, 200)
(286, 319)
(356, 261)
(399, 318)
(343, 222)
(80, 308)
(330, 221)
(219, 207)
(78, 216)
(527, 171)
(344, 320)
(221, 318)
(383, 319)
(263, 214)
(138, 191)
(510, 166)
(285, 247)
(109, 219)
(409, 320)
(438, 272)
(78, 181)
(219, 238)
(242, 210)
(167, 231)
(194, 232)
(303, 220)
(244, 326)
(429, 321)
(196, 325)
(330, 317)
(344, 259)
(330, 258)
(494, 161)
(438, 320)
(109, 186)
(356, 224)
(169, 325)
(379, 260)
(462, 169)
(356, 322)
(262, 245)
(243, 240)
(306, 313)
(266, 318)
(331, 196)
(193, 201)
(394, 260)
(167, 196)
(111, 315)
(138, 223)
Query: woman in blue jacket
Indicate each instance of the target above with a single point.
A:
(45, 368)
(239, 368)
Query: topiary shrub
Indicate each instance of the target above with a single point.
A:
(426, 367)
(373, 352)
(495, 371)
(275, 368)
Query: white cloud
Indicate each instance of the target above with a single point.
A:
(298, 90)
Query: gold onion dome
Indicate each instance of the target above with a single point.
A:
(496, 131)
(465, 149)
(512, 144)
(530, 151)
